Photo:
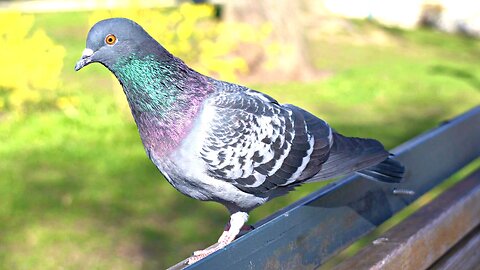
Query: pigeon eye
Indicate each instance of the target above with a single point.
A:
(110, 39)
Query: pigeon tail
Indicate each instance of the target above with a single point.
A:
(389, 170)
(367, 157)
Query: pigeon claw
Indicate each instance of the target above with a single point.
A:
(232, 230)
(200, 254)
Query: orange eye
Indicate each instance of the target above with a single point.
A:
(110, 39)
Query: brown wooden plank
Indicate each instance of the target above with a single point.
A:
(464, 255)
(424, 237)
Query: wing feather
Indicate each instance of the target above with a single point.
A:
(259, 145)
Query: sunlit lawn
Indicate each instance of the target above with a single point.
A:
(78, 192)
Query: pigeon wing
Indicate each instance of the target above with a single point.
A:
(259, 145)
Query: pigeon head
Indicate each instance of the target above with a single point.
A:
(113, 39)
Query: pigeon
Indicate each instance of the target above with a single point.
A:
(218, 141)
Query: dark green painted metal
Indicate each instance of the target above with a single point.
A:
(305, 234)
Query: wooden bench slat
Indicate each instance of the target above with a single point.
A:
(425, 236)
(465, 255)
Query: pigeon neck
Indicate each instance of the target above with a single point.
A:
(145, 83)
(165, 97)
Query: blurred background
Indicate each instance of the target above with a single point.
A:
(76, 188)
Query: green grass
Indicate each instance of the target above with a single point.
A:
(78, 192)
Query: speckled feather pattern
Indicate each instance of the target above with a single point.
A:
(219, 141)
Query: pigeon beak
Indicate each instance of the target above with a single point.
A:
(85, 59)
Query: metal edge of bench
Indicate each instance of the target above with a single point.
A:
(308, 232)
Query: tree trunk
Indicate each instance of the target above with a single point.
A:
(288, 22)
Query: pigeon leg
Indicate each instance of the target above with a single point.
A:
(237, 220)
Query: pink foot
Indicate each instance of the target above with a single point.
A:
(231, 232)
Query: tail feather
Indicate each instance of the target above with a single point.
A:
(388, 170)
(367, 157)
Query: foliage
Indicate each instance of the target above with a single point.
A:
(30, 62)
(191, 33)
(80, 193)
